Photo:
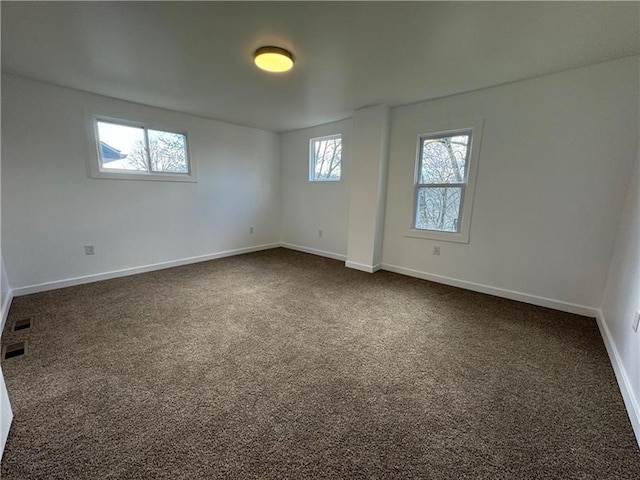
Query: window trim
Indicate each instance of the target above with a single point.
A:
(312, 160)
(95, 164)
(474, 129)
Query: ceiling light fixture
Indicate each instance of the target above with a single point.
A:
(273, 59)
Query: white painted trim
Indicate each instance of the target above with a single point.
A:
(42, 287)
(6, 414)
(362, 266)
(313, 251)
(94, 164)
(312, 157)
(4, 312)
(630, 401)
(498, 292)
(453, 127)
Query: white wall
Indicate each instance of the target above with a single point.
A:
(6, 413)
(5, 294)
(51, 208)
(622, 300)
(370, 158)
(307, 207)
(555, 157)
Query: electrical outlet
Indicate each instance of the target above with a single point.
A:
(88, 250)
(319, 233)
(250, 229)
(436, 250)
(636, 321)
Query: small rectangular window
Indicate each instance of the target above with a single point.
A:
(130, 150)
(325, 159)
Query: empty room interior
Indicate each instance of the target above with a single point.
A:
(320, 240)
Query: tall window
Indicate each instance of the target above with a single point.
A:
(442, 178)
(325, 158)
(131, 150)
(445, 176)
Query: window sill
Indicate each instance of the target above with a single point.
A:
(460, 237)
(154, 177)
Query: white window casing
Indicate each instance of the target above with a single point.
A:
(325, 158)
(148, 165)
(462, 188)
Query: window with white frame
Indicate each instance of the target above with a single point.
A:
(445, 176)
(325, 158)
(134, 150)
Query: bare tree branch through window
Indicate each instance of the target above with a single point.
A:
(326, 158)
(442, 181)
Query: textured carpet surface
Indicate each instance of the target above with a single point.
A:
(283, 365)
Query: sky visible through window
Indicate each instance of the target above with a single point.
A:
(122, 139)
(327, 159)
(135, 148)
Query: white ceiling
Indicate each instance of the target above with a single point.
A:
(197, 57)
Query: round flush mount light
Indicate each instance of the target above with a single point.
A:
(273, 59)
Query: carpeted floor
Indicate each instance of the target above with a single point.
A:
(280, 364)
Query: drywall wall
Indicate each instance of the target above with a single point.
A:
(51, 208)
(307, 207)
(555, 155)
(622, 301)
(6, 413)
(5, 294)
(370, 156)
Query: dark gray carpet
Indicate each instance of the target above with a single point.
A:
(283, 365)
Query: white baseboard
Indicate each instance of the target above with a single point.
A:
(4, 312)
(498, 292)
(6, 413)
(363, 267)
(314, 251)
(69, 282)
(630, 400)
